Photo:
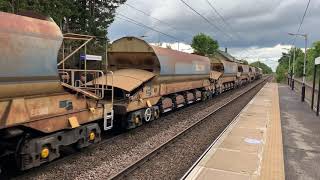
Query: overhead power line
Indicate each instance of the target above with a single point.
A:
(304, 15)
(219, 15)
(157, 19)
(206, 19)
(227, 24)
(128, 19)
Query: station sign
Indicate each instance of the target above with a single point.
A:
(317, 61)
(89, 57)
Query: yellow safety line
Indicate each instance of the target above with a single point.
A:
(273, 161)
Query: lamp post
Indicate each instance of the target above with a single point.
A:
(293, 60)
(303, 90)
(289, 69)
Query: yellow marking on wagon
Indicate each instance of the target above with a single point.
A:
(74, 122)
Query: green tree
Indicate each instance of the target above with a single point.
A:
(77, 16)
(91, 17)
(283, 67)
(204, 44)
(265, 68)
(244, 62)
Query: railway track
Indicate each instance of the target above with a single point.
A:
(91, 157)
(129, 170)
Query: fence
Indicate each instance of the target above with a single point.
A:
(308, 93)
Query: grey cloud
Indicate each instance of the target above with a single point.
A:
(258, 22)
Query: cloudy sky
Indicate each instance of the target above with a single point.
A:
(254, 29)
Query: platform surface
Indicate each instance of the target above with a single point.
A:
(301, 136)
(251, 147)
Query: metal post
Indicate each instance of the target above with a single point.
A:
(313, 85)
(289, 66)
(85, 65)
(290, 72)
(318, 99)
(63, 66)
(294, 58)
(106, 65)
(303, 90)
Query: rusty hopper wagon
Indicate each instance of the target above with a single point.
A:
(259, 73)
(38, 113)
(150, 80)
(229, 73)
(253, 73)
(245, 73)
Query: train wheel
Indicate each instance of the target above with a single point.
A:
(156, 112)
(148, 114)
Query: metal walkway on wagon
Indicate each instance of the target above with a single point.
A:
(251, 147)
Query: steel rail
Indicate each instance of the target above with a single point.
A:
(133, 166)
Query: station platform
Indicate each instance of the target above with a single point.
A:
(251, 147)
(301, 136)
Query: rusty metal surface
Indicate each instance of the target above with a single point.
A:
(171, 88)
(258, 70)
(215, 75)
(54, 124)
(127, 79)
(9, 90)
(135, 105)
(29, 49)
(131, 52)
(245, 69)
(45, 113)
(221, 64)
(182, 78)
(179, 63)
(253, 70)
(230, 67)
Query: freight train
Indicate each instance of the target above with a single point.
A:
(45, 106)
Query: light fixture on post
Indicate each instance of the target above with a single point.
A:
(303, 90)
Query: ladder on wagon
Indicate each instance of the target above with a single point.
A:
(81, 80)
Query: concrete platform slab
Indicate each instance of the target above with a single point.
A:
(233, 161)
(247, 132)
(208, 173)
(239, 143)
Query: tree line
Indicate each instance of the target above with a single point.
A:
(91, 17)
(283, 67)
(207, 46)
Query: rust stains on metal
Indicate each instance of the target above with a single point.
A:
(17, 24)
(179, 63)
(245, 69)
(221, 64)
(131, 52)
(126, 79)
(29, 49)
(47, 111)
